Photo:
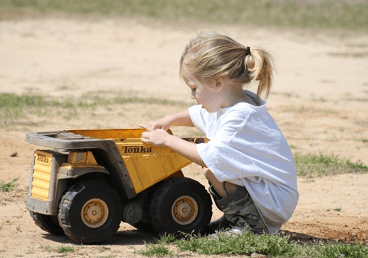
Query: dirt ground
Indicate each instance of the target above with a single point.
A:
(319, 100)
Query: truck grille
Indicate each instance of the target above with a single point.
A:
(41, 175)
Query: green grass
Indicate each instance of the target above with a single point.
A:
(278, 245)
(346, 14)
(341, 250)
(7, 187)
(14, 106)
(312, 165)
(246, 243)
(65, 249)
(8, 100)
(11, 101)
(156, 250)
(61, 249)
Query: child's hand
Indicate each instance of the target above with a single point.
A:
(155, 137)
(158, 124)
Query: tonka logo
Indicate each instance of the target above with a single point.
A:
(43, 159)
(137, 149)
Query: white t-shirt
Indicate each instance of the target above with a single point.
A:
(247, 148)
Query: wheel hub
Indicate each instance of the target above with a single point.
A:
(94, 213)
(184, 210)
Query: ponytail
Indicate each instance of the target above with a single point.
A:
(211, 55)
(260, 67)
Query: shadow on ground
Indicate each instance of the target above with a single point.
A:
(300, 238)
(127, 237)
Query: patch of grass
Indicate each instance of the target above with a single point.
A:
(156, 250)
(62, 249)
(247, 243)
(344, 14)
(14, 106)
(312, 165)
(340, 250)
(9, 100)
(7, 187)
(65, 249)
(337, 209)
(166, 239)
(160, 249)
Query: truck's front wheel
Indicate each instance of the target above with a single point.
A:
(47, 223)
(90, 212)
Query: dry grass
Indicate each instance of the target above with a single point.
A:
(346, 14)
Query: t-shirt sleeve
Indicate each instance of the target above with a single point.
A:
(198, 117)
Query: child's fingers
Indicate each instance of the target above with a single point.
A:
(144, 137)
(143, 126)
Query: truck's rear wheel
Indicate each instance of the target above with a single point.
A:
(47, 223)
(90, 212)
(181, 205)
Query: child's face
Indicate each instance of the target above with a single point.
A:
(202, 92)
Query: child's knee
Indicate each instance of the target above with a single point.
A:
(206, 171)
(211, 177)
(238, 208)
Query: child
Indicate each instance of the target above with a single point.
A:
(247, 161)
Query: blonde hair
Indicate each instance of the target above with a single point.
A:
(211, 55)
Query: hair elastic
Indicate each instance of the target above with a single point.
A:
(248, 51)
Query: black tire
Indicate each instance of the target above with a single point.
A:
(181, 205)
(144, 227)
(47, 223)
(90, 212)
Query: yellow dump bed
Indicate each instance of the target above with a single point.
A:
(146, 164)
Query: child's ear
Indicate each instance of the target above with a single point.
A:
(219, 83)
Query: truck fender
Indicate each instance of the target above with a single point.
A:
(75, 172)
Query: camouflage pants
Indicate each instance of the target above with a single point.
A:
(239, 209)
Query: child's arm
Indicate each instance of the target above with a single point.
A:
(179, 119)
(161, 138)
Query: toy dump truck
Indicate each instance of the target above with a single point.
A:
(88, 181)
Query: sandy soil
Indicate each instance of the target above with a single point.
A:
(319, 100)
